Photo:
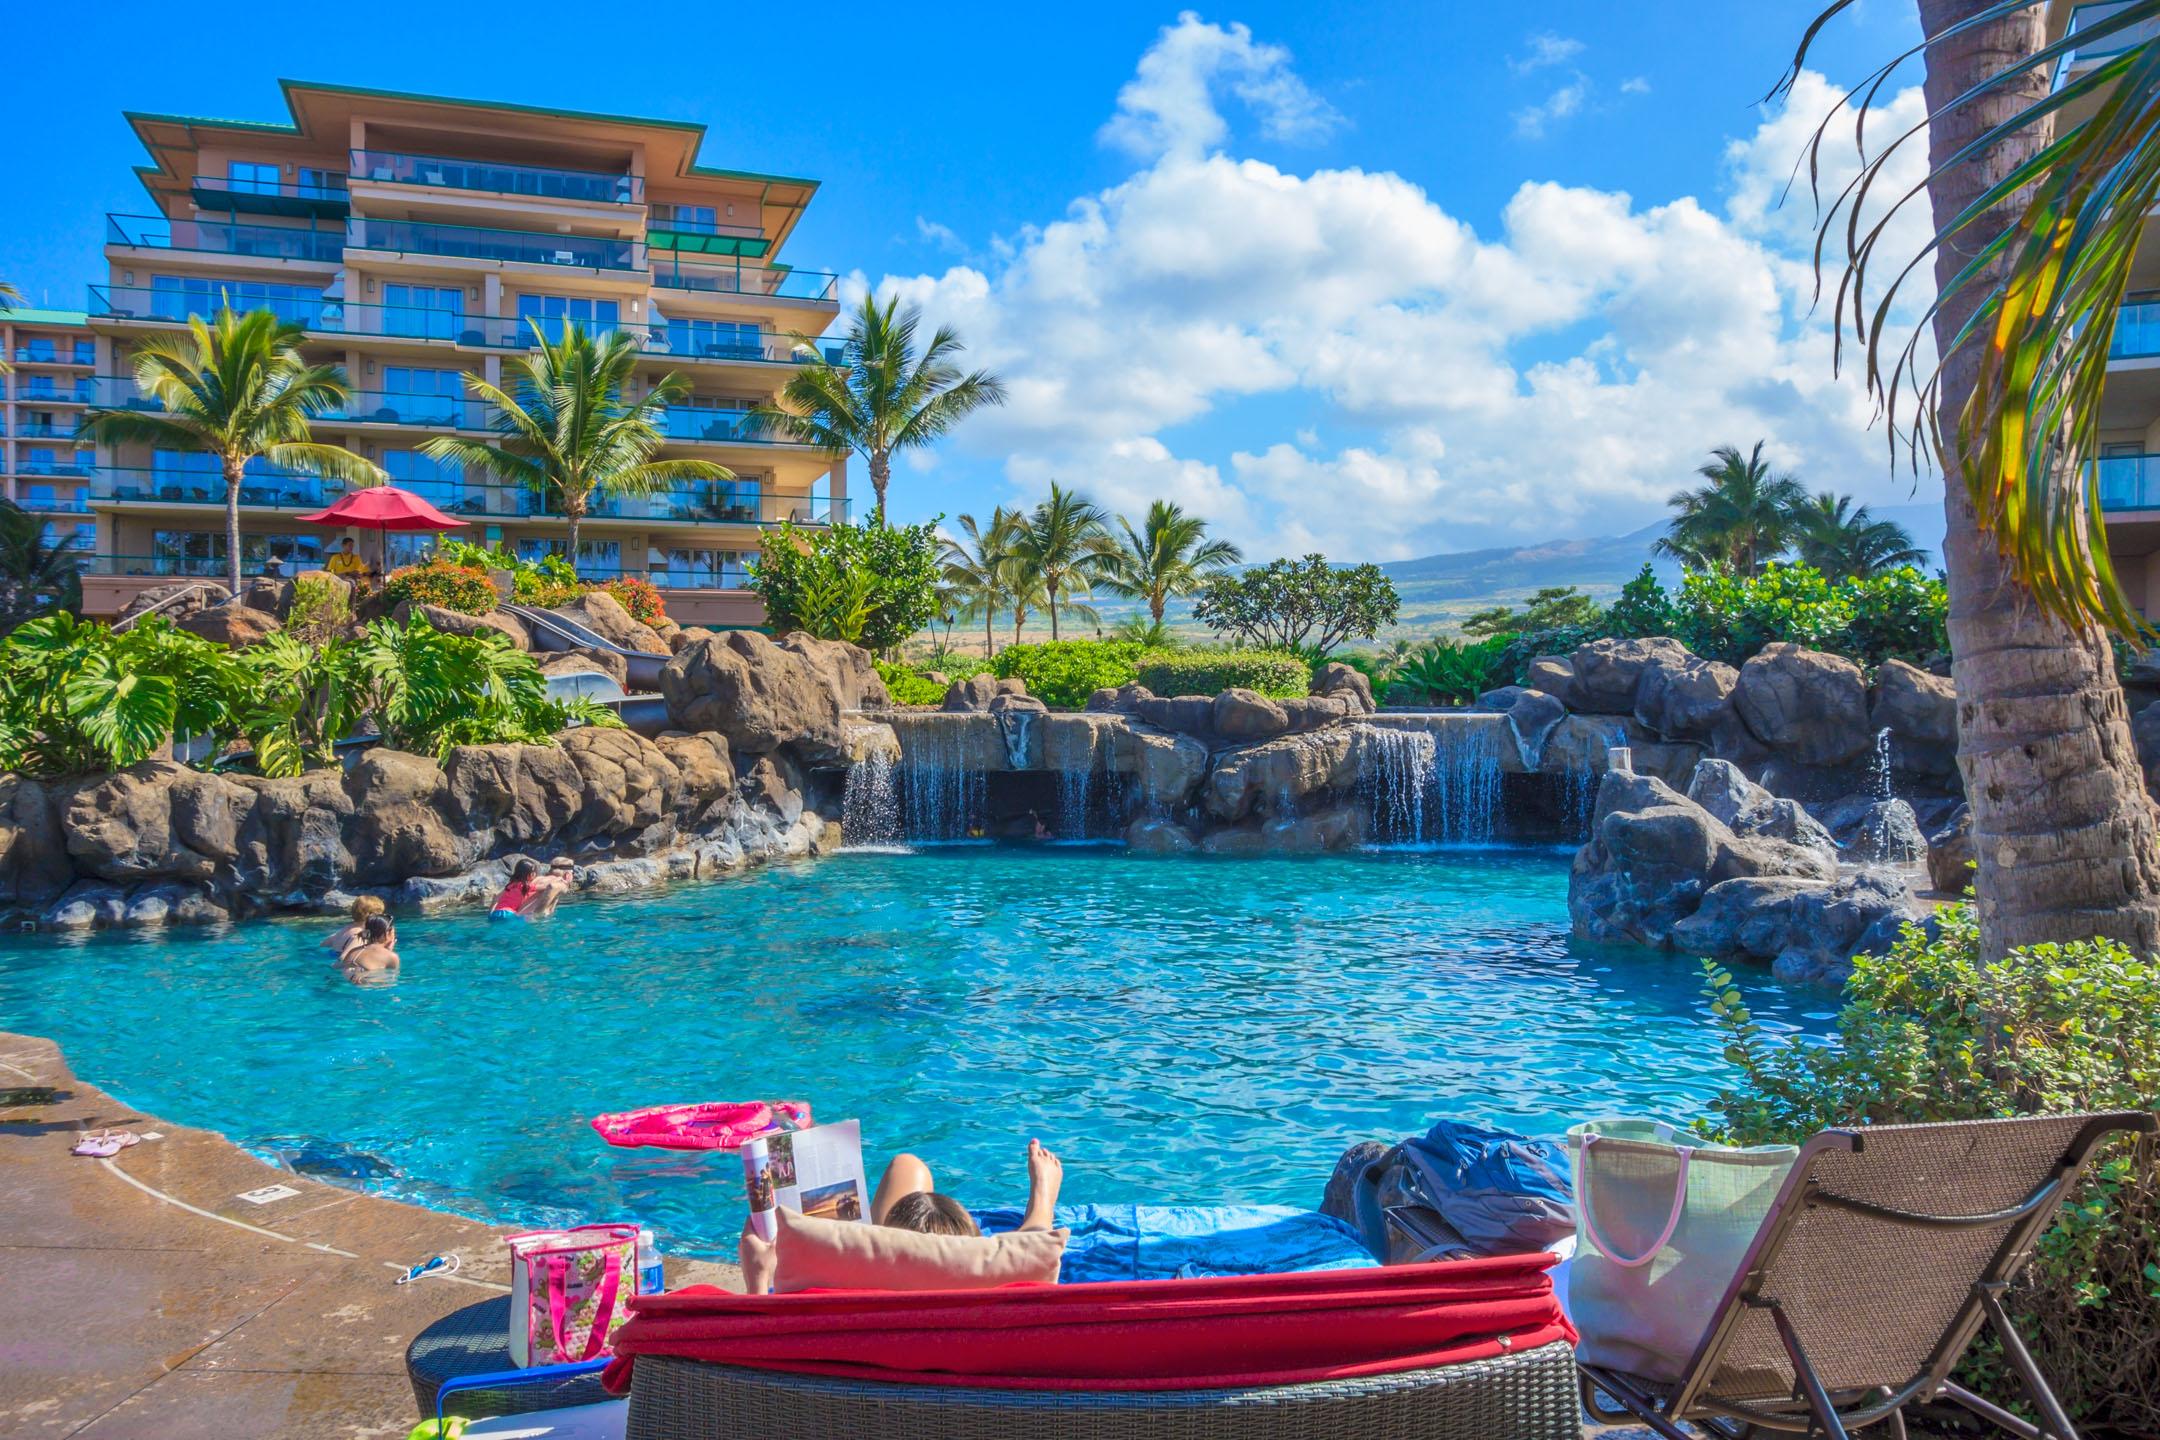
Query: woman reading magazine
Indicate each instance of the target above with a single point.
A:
(907, 1199)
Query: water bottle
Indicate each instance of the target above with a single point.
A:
(651, 1279)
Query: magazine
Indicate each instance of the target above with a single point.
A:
(818, 1171)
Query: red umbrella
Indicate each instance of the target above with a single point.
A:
(384, 508)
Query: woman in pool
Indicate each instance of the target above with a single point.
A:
(907, 1199)
(373, 954)
(364, 909)
(530, 895)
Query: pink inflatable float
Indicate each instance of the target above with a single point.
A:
(722, 1125)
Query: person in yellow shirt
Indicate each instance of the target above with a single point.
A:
(348, 564)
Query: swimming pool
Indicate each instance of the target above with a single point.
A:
(1187, 1029)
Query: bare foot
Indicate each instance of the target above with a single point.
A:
(1046, 1173)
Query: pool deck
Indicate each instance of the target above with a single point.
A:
(144, 1298)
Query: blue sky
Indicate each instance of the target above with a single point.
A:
(1292, 277)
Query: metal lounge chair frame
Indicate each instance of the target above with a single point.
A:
(1764, 1290)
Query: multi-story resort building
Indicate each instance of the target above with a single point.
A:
(2128, 468)
(417, 239)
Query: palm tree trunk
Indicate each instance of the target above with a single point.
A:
(2066, 839)
(1155, 606)
(1053, 613)
(573, 511)
(235, 472)
(989, 632)
(880, 476)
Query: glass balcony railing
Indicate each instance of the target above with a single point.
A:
(35, 353)
(392, 407)
(2085, 17)
(57, 469)
(2129, 482)
(265, 486)
(37, 504)
(778, 282)
(315, 190)
(730, 427)
(224, 237)
(413, 237)
(701, 340)
(27, 392)
(546, 182)
(206, 567)
(46, 429)
(2137, 329)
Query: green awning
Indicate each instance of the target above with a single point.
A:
(691, 242)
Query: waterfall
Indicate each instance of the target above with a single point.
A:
(1076, 793)
(1877, 835)
(1466, 800)
(943, 797)
(870, 802)
(1578, 800)
(1395, 770)
(1013, 725)
(1438, 786)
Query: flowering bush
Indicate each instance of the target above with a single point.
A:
(436, 581)
(640, 597)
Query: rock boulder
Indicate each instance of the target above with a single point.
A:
(1807, 705)
(456, 622)
(1282, 776)
(755, 693)
(233, 625)
(846, 668)
(1336, 678)
(186, 597)
(1689, 699)
(604, 615)
(1605, 674)
(1241, 714)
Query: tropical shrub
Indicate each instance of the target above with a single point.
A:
(321, 608)
(907, 686)
(1065, 672)
(1449, 672)
(1554, 607)
(429, 692)
(1720, 615)
(639, 596)
(436, 581)
(873, 585)
(1929, 1033)
(1306, 605)
(75, 697)
(550, 580)
(1209, 672)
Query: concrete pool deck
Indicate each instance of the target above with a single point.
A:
(145, 1298)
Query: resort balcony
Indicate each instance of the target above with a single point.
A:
(699, 340)
(473, 242)
(2129, 482)
(54, 504)
(57, 469)
(764, 282)
(45, 352)
(544, 182)
(225, 237)
(393, 407)
(46, 430)
(316, 192)
(265, 486)
(29, 393)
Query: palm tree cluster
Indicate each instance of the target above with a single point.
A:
(1745, 517)
(1053, 557)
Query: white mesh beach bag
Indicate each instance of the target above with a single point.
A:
(1662, 1221)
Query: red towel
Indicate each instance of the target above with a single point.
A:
(1249, 1330)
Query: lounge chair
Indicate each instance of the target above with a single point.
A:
(1467, 1350)
(1883, 1253)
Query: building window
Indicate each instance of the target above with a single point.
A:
(40, 348)
(38, 497)
(715, 337)
(250, 178)
(176, 297)
(428, 312)
(321, 184)
(705, 570)
(412, 380)
(202, 552)
(596, 559)
(85, 352)
(554, 312)
(694, 219)
(439, 484)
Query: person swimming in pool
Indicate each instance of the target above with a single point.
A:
(364, 909)
(372, 955)
(907, 1198)
(531, 895)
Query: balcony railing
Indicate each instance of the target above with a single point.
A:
(393, 407)
(772, 281)
(187, 565)
(224, 237)
(2137, 329)
(395, 167)
(730, 427)
(2129, 482)
(696, 340)
(264, 486)
(57, 469)
(28, 392)
(317, 192)
(46, 430)
(34, 353)
(2085, 17)
(472, 242)
(54, 504)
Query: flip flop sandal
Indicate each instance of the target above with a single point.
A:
(434, 1265)
(100, 1145)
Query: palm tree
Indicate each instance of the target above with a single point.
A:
(36, 578)
(1740, 520)
(881, 398)
(979, 570)
(2035, 233)
(566, 432)
(235, 388)
(1846, 543)
(1059, 549)
(1170, 556)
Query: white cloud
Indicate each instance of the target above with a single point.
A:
(1169, 106)
(1332, 361)
(1532, 121)
(1545, 48)
(1635, 85)
(944, 237)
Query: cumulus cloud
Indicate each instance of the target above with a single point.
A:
(1532, 121)
(1169, 107)
(1331, 360)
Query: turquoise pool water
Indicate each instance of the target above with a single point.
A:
(1180, 1030)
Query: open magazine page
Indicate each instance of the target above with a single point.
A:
(818, 1171)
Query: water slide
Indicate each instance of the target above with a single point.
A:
(554, 633)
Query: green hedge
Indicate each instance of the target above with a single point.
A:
(1065, 672)
(1208, 672)
(907, 687)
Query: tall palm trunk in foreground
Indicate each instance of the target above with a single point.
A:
(2066, 838)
